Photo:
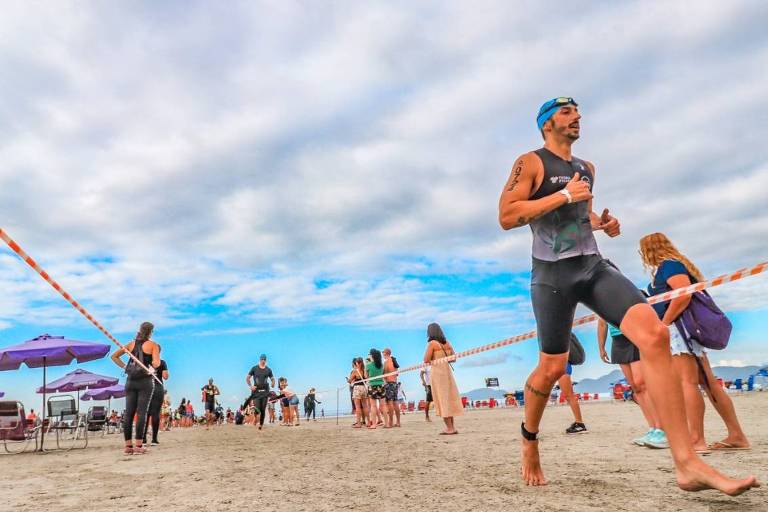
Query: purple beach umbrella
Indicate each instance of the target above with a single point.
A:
(47, 350)
(78, 380)
(116, 391)
(2, 394)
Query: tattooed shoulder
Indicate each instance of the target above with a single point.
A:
(516, 173)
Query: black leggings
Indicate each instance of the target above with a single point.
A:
(557, 287)
(260, 402)
(138, 395)
(310, 412)
(154, 412)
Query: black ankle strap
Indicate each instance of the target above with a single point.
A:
(528, 436)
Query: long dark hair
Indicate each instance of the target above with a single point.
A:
(145, 331)
(434, 332)
(359, 363)
(376, 355)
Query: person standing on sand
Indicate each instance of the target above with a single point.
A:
(311, 402)
(374, 369)
(444, 389)
(356, 381)
(671, 269)
(627, 356)
(391, 389)
(424, 375)
(551, 190)
(158, 398)
(566, 388)
(139, 386)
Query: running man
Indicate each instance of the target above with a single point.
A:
(424, 375)
(261, 375)
(210, 392)
(551, 190)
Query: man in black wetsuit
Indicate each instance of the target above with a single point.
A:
(551, 190)
(210, 392)
(262, 376)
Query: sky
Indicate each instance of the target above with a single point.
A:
(313, 179)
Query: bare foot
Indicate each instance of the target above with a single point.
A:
(698, 476)
(531, 466)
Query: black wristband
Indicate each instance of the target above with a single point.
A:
(528, 436)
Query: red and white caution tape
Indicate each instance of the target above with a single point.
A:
(673, 294)
(56, 286)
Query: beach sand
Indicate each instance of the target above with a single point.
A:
(323, 467)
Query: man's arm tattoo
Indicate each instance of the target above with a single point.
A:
(535, 391)
(522, 221)
(515, 176)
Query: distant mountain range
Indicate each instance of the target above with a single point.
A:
(603, 384)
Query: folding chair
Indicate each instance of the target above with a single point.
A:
(96, 420)
(15, 432)
(67, 422)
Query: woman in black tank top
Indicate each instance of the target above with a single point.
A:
(138, 388)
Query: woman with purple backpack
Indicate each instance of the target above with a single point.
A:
(670, 269)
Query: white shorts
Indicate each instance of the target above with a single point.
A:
(677, 343)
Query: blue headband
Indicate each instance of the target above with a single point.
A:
(549, 108)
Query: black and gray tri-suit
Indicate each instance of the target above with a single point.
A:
(567, 266)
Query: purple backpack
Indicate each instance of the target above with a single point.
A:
(704, 322)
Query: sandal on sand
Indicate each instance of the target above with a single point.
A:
(724, 446)
(705, 451)
(128, 450)
(140, 450)
(449, 433)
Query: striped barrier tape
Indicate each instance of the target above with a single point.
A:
(673, 294)
(56, 286)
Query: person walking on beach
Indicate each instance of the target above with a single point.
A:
(551, 190)
(156, 405)
(311, 402)
(139, 386)
(391, 390)
(258, 381)
(374, 368)
(627, 356)
(671, 269)
(444, 389)
(356, 380)
(210, 392)
(424, 376)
